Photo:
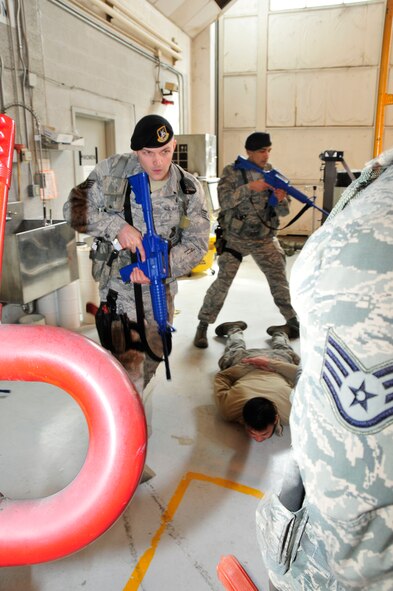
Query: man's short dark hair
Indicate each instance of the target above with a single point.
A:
(259, 413)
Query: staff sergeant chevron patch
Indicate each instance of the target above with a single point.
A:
(362, 397)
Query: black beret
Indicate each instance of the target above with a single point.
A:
(151, 131)
(257, 141)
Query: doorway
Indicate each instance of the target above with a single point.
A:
(99, 141)
(98, 133)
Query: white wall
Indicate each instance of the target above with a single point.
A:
(309, 77)
(79, 67)
(203, 82)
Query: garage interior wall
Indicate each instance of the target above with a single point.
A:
(310, 78)
(76, 64)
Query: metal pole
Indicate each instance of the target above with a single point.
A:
(384, 98)
(7, 138)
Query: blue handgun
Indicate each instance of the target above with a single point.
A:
(278, 181)
(156, 264)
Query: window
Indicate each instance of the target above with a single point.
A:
(287, 4)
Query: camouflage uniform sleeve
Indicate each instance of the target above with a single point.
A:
(342, 414)
(283, 207)
(232, 191)
(85, 208)
(194, 241)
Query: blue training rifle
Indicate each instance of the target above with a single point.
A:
(156, 264)
(275, 179)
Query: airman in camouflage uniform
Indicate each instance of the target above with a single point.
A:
(249, 227)
(342, 410)
(96, 207)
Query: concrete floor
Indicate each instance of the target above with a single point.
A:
(201, 503)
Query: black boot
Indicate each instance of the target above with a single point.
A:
(291, 328)
(223, 330)
(200, 339)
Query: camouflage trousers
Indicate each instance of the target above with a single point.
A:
(235, 350)
(269, 257)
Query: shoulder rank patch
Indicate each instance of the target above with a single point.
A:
(362, 397)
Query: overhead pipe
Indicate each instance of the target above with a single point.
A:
(130, 15)
(384, 99)
(131, 27)
(39, 530)
(112, 33)
(155, 41)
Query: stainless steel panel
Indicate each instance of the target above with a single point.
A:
(14, 216)
(37, 260)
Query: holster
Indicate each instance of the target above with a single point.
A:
(221, 245)
(115, 330)
(220, 240)
(99, 254)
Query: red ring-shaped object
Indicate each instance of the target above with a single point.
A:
(40, 530)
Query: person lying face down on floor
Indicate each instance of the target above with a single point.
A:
(254, 386)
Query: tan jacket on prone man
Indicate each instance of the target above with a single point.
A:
(254, 385)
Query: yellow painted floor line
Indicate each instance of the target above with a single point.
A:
(145, 560)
